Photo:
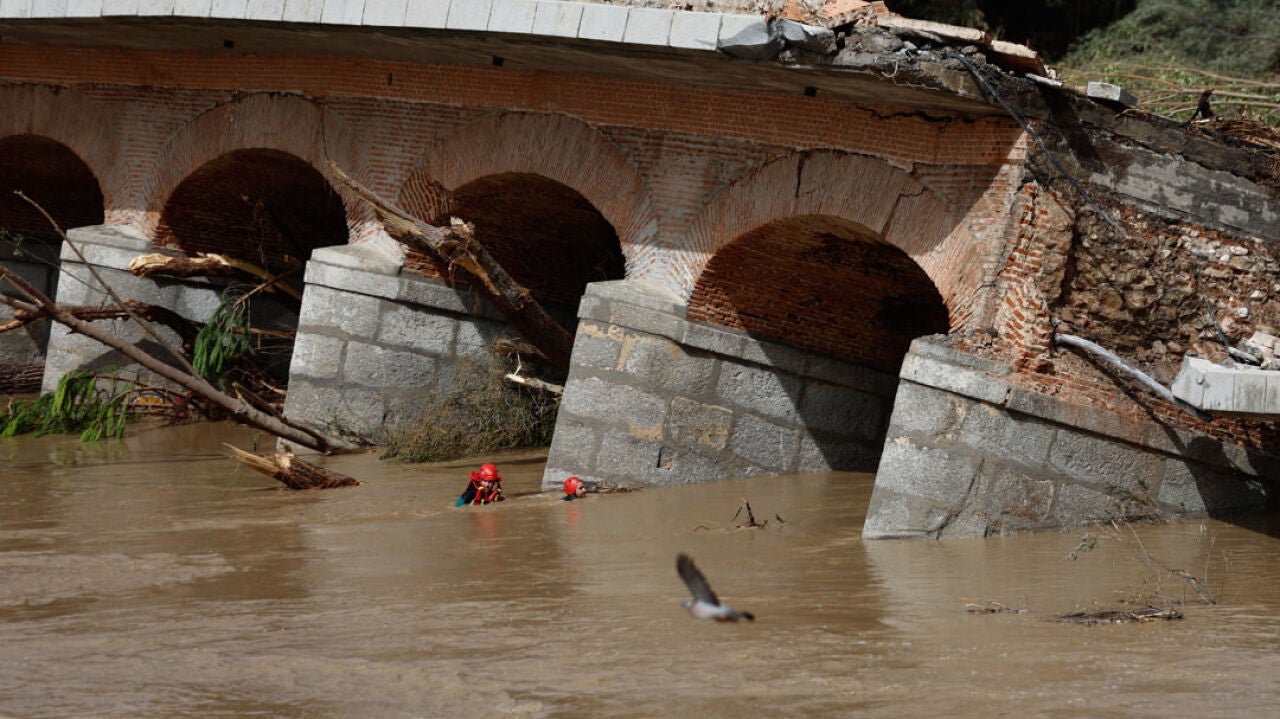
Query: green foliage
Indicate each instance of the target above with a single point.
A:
(1167, 52)
(78, 405)
(1231, 37)
(473, 409)
(222, 339)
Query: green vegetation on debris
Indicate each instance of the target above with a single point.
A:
(78, 405)
(224, 338)
(1169, 52)
(472, 409)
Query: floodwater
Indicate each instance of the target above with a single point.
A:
(153, 577)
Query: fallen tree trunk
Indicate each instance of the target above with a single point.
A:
(184, 328)
(240, 410)
(291, 471)
(207, 265)
(457, 246)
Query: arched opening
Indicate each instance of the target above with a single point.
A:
(54, 177)
(267, 208)
(823, 284)
(262, 206)
(545, 234)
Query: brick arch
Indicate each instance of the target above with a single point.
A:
(264, 206)
(883, 202)
(68, 118)
(559, 148)
(821, 283)
(283, 123)
(51, 175)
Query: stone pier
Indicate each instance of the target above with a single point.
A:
(109, 249)
(655, 399)
(372, 340)
(968, 453)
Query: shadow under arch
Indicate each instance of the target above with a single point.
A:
(822, 284)
(555, 147)
(549, 237)
(53, 176)
(260, 122)
(265, 207)
(260, 205)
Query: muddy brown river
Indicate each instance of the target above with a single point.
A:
(153, 577)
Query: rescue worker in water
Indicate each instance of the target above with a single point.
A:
(485, 487)
(574, 488)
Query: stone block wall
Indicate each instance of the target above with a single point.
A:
(970, 454)
(370, 340)
(22, 351)
(655, 399)
(109, 249)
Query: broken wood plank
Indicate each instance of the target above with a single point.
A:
(207, 265)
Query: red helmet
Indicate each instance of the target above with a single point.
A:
(489, 472)
(571, 485)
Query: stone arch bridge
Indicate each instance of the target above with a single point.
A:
(746, 244)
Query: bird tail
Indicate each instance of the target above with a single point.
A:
(747, 616)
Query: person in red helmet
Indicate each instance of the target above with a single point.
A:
(485, 487)
(573, 489)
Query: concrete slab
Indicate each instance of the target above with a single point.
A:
(300, 10)
(340, 12)
(229, 9)
(427, 13)
(750, 37)
(265, 10)
(385, 13)
(1219, 388)
(161, 8)
(84, 8)
(119, 7)
(1107, 92)
(202, 8)
(695, 30)
(15, 8)
(648, 26)
(48, 8)
(469, 15)
(557, 19)
(603, 22)
(514, 16)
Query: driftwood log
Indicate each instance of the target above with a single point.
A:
(207, 265)
(185, 329)
(457, 247)
(292, 472)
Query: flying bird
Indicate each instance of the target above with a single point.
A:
(705, 604)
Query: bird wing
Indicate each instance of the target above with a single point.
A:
(694, 580)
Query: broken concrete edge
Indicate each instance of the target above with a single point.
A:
(1237, 390)
(930, 363)
(956, 465)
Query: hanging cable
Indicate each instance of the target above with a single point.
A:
(1036, 138)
